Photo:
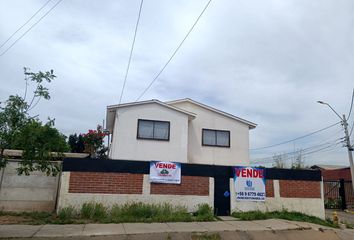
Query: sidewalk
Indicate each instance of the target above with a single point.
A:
(263, 227)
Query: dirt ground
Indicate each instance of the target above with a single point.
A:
(14, 220)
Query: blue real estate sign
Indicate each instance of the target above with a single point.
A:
(249, 184)
(165, 172)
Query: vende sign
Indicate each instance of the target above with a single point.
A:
(165, 172)
(249, 184)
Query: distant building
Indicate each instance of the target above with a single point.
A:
(334, 172)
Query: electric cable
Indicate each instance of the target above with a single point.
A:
(32, 26)
(131, 52)
(294, 152)
(333, 146)
(13, 34)
(351, 105)
(292, 140)
(174, 53)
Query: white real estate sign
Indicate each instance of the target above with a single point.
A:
(249, 184)
(165, 172)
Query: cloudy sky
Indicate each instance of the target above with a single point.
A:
(265, 61)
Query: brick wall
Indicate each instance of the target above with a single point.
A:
(336, 174)
(299, 189)
(269, 188)
(109, 183)
(190, 185)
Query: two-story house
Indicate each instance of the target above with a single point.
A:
(183, 131)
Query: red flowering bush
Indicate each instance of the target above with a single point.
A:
(93, 141)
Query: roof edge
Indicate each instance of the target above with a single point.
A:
(110, 107)
(249, 123)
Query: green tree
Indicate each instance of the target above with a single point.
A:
(76, 143)
(19, 130)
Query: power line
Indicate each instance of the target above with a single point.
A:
(174, 53)
(292, 140)
(131, 52)
(351, 105)
(33, 25)
(303, 150)
(45, 4)
(266, 160)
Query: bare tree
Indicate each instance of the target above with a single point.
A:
(298, 160)
(279, 160)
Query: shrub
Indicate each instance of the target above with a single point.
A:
(94, 211)
(66, 213)
(204, 213)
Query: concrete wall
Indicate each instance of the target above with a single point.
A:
(36, 192)
(125, 144)
(236, 155)
(310, 206)
(77, 199)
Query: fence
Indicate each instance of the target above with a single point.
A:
(338, 194)
(36, 192)
(119, 181)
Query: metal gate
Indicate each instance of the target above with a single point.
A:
(338, 194)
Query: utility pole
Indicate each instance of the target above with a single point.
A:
(349, 147)
(347, 140)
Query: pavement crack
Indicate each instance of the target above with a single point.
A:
(125, 232)
(40, 228)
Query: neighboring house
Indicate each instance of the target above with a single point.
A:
(183, 131)
(334, 172)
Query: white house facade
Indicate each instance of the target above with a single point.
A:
(183, 131)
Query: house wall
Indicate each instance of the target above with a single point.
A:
(237, 154)
(125, 144)
(336, 174)
(291, 195)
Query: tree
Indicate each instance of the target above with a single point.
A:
(279, 161)
(298, 161)
(19, 130)
(94, 144)
(76, 143)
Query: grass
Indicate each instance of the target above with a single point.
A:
(140, 212)
(292, 216)
(130, 212)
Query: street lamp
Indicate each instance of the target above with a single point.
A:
(347, 140)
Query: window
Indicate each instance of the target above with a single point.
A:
(218, 138)
(153, 130)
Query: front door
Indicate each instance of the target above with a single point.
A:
(222, 196)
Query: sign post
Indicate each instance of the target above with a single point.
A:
(249, 184)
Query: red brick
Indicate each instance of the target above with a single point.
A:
(336, 174)
(299, 189)
(190, 185)
(109, 183)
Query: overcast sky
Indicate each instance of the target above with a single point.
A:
(265, 61)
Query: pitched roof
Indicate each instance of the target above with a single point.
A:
(250, 124)
(111, 109)
(329, 167)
